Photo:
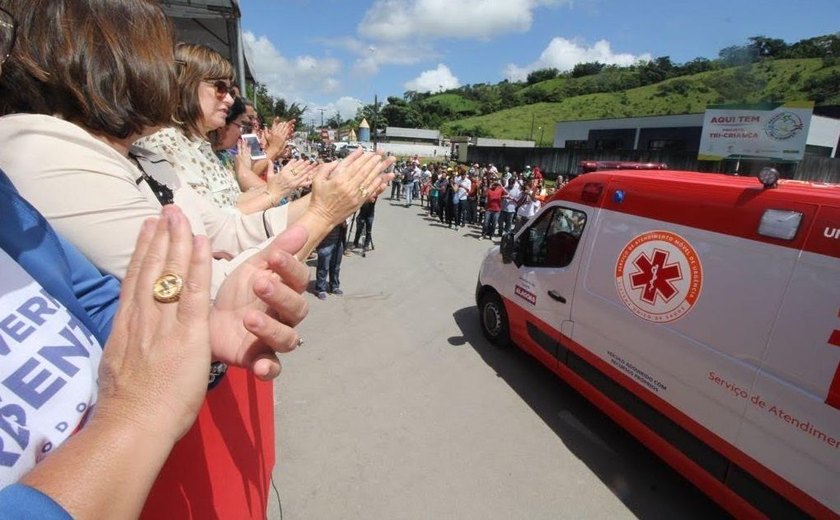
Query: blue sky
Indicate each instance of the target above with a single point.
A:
(336, 54)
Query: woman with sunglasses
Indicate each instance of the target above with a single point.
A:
(240, 164)
(85, 103)
(94, 119)
(205, 99)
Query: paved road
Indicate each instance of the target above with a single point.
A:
(397, 408)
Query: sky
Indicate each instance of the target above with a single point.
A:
(335, 55)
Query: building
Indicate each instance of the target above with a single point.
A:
(679, 133)
(422, 142)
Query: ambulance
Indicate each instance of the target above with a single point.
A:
(699, 311)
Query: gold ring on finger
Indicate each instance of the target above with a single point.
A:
(167, 288)
(363, 192)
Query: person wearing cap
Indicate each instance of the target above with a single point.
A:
(527, 173)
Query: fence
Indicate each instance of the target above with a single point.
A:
(562, 161)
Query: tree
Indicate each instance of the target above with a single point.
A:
(542, 75)
(659, 69)
(735, 55)
(767, 47)
(288, 112)
(587, 69)
(264, 102)
(696, 66)
(819, 47)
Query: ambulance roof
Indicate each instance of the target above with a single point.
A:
(675, 180)
(719, 203)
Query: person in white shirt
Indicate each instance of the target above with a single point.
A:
(509, 205)
(464, 184)
(529, 204)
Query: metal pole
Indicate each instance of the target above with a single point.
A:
(375, 117)
(240, 58)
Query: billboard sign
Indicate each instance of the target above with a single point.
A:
(767, 130)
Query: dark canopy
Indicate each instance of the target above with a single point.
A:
(214, 23)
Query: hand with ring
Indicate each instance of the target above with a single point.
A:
(338, 189)
(258, 305)
(154, 367)
(295, 174)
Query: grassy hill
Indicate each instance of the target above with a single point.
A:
(772, 80)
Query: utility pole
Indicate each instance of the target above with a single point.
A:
(373, 128)
(322, 117)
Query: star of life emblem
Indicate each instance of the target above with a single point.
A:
(658, 276)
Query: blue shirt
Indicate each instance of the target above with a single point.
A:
(70, 278)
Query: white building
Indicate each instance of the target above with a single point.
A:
(677, 132)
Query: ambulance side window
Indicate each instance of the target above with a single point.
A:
(552, 240)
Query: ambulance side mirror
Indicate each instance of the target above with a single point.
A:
(509, 248)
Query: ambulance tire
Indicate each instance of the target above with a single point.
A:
(494, 320)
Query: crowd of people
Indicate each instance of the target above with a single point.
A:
(478, 195)
(152, 271)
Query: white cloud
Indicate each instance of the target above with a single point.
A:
(290, 78)
(434, 80)
(564, 54)
(345, 105)
(394, 20)
(371, 57)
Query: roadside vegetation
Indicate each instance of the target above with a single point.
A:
(764, 70)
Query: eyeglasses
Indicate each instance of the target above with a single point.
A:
(8, 29)
(245, 128)
(223, 87)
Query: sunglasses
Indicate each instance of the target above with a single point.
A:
(8, 28)
(223, 87)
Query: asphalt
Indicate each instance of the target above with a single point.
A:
(396, 407)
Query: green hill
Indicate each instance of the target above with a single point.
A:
(771, 80)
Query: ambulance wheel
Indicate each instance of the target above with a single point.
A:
(494, 321)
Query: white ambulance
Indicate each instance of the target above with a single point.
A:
(699, 311)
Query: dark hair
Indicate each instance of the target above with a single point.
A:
(106, 65)
(235, 110)
(196, 63)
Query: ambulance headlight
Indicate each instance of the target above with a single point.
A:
(769, 177)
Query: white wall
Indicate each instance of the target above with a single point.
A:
(824, 131)
(422, 150)
(579, 130)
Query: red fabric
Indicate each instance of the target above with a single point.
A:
(222, 467)
(494, 198)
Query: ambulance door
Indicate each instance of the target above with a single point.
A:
(548, 268)
(792, 425)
